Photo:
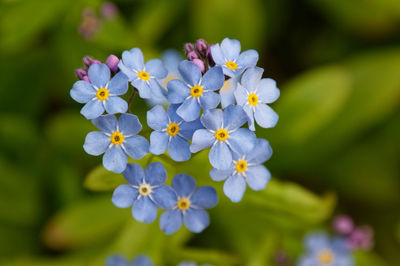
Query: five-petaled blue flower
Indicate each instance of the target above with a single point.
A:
(322, 251)
(101, 93)
(245, 168)
(223, 133)
(117, 139)
(195, 90)
(189, 206)
(118, 260)
(253, 93)
(144, 77)
(171, 132)
(145, 192)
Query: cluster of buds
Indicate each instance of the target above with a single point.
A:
(358, 237)
(111, 62)
(200, 54)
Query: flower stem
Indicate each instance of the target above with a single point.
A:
(130, 101)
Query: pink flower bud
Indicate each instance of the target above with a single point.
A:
(109, 10)
(201, 46)
(112, 62)
(343, 224)
(361, 238)
(200, 64)
(192, 55)
(86, 78)
(80, 73)
(188, 47)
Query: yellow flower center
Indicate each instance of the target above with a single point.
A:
(173, 129)
(117, 138)
(221, 134)
(183, 204)
(325, 257)
(196, 91)
(102, 94)
(144, 75)
(241, 166)
(253, 99)
(231, 65)
(145, 189)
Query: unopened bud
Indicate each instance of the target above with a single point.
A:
(86, 78)
(200, 64)
(112, 62)
(88, 61)
(201, 46)
(188, 47)
(343, 224)
(192, 55)
(80, 73)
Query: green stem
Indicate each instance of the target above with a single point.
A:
(130, 101)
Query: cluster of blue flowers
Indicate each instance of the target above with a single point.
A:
(211, 97)
(141, 260)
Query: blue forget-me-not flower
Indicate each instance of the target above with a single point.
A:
(118, 260)
(101, 93)
(245, 168)
(253, 94)
(116, 140)
(223, 134)
(145, 191)
(195, 91)
(189, 206)
(144, 77)
(323, 251)
(171, 132)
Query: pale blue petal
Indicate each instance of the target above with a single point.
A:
(128, 72)
(178, 91)
(183, 184)
(115, 159)
(129, 124)
(257, 177)
(136, 147)
(124, 196)
(144, 210)
(234, 117)
(189, 110)
(230, 48)
(217, 54)
(242, 140)
(116, 261)
(251, 78)
(196, 220)
(307, 260)
(219, 175)
(157, 118)
(213, 79)
(115, 104)
(106, 123)
(173, 116)
(227, 92)
(171, 221)
(96, 143)
(317, 241)
(187, 129)
(343, 260)
(209, 100)
(134, 174)
(261, 152)
(220, 156)
(171, 59)
(118, 84)
(250, 116)
(178, 149)
(204, 197)
(156, 89)
(265, 116)
(234, 188)
(156, 68)
(190, 72)
(143, 88)
(82, 91)
(241, 95)
(92, 109)
(99, 75)
(158, 142)
(202, 138)
(212, 119)
(267, 91)
(248, 58)
(142, 261)
(155, 174)
(164, 196)
(133, 59)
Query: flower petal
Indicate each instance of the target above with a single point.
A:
(189, 110)
(187, 129)
(219, 175)
(171, 221)
(190, 72)
(241, 95)
(115, 159)
(213, 79)
(217, 54)
(158, 142)
(144, 210)
(212, 119)
(133, 59)
(136, 147)
(164, 196)
(231, 48)
(209, 100)
(316, 241)
(250, 116)
(134, 174)
(196, 220)
(124, 196)
(118, 84)
(92, 109)
(106, 123)
(227, 92)
(261, 152)
(179, 149)
(267, 90)
(183, 184)
(234, 117)
(202, 138)
(129, 124)
(156, 68)
(257, 177)
(156, 89)
(155, 174)
(82, 91)
(141, 261)
(115, 105)
(251, 78)
(99, 75)
(178, 91)
(242, 140)
(171, 112)
(96, 143)
(157, 118)
(116, 261)
(234, 188)
(248, 58)
(204, 197)
(265, 116)
(220, 156)
(128, 72)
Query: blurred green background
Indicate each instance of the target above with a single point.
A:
(336, 146)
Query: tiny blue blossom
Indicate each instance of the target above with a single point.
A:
(227, 92)
(195, 91)
(189, 206)
(253, 94)
(245, 168)
(223, 134)
(171, 132)
(118, 260)
(116, 140)
(323, 251)
(144, 77)
(145, 191)
(101, 93)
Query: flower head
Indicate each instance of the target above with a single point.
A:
(145, 191)
(171, 132)
(223, 134)
(101, 93)
(117, 139)
(322, 251)
(195, 91)
(343, 224)
(118, 260)
(245, 168)
(145, 77)
(189, 206)
(253, 94)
